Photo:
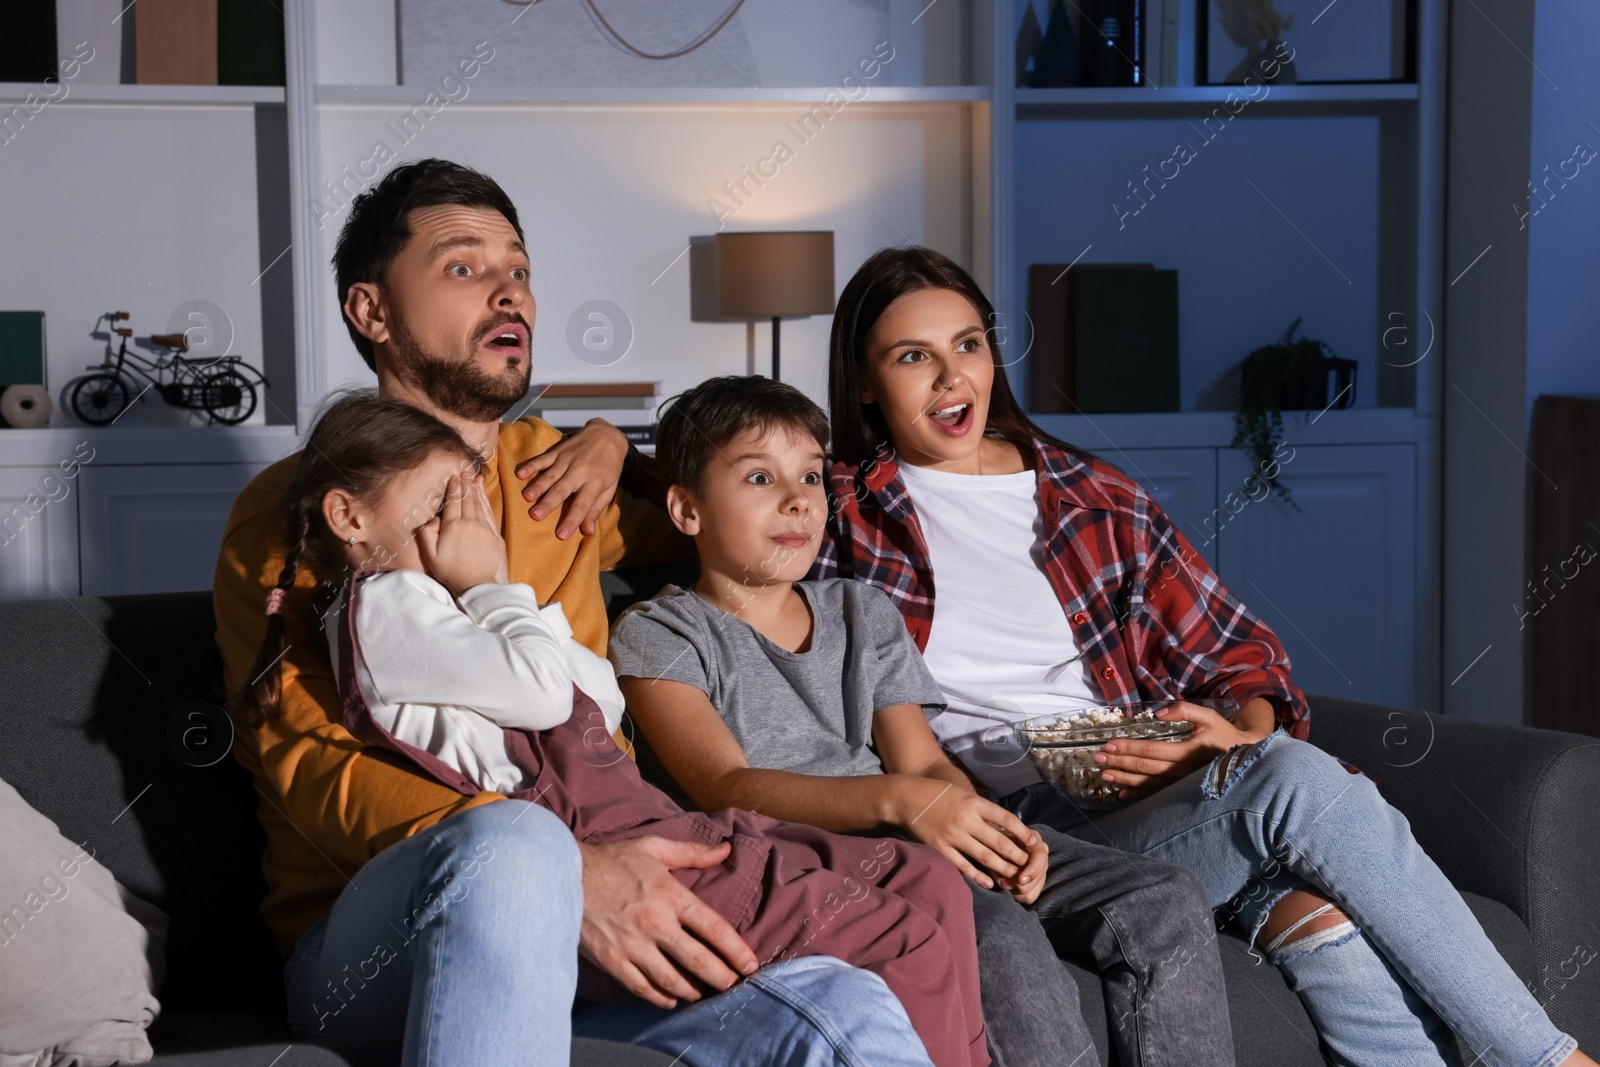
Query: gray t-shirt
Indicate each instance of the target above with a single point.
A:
(808, 712)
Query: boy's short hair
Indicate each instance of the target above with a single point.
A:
(699, 421)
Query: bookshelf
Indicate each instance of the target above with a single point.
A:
(1318, 200)
(13, 93)
(611, 181)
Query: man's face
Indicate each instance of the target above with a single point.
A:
(458, 312)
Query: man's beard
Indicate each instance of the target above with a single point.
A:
(459, 387)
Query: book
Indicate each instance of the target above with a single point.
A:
(22, 359)
(1052, 361)
(1169, 42)
(175, 42)
(636, 434)
(28, 42)
(249, 42)
(594, 389)
(1125, 345)
(546, 402)
(1158, 50)
(1108, 43)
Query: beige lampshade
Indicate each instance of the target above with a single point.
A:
(774, 274)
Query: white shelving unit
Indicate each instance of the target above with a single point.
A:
(1350, 583)
(611, 182)
(13, 93)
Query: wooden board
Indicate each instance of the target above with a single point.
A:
(176, 42)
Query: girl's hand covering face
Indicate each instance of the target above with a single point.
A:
(461, 546)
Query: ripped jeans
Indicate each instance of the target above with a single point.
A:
(1265, 819)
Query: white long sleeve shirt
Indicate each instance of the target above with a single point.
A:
(448, 679)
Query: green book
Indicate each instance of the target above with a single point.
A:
(249, 43)
(21, 348)
(1123, 355)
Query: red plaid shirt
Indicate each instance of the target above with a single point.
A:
(1152, 617)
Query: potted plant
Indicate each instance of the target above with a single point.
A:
(1292, 374)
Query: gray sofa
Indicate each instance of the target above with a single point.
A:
(89, 689)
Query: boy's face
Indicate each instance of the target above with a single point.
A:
(760, 515)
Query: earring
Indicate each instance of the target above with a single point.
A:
(352, 539)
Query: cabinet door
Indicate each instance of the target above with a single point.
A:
(1183, 481)
(1336, 579)
(156, 529)
(38, 532)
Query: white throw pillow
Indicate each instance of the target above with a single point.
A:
(80, 956)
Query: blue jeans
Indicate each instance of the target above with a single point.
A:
(459, 945)
(1269, 818)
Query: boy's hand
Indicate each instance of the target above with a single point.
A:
(584, 469)
(1027, 886)
(461, 546)
(980, 837)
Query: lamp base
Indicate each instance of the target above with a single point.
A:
(775, 349)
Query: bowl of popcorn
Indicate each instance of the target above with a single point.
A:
(1062, 745)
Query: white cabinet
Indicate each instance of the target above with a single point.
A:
(1183, 481)
(1336, 579)
(39, 531)
(156, 528)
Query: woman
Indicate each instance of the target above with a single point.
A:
(1072, 588)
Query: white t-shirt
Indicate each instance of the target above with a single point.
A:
(1001, 647)
(449, 679)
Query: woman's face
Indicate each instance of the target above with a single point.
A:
(929, 368)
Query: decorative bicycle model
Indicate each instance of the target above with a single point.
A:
(224, 388)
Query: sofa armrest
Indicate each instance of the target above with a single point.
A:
(1507, 812)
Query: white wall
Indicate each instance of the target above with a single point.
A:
(790, 43)
(609, 197)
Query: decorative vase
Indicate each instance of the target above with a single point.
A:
(24, 407)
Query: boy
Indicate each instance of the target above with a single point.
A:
(809, 702)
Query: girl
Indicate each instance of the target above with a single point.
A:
(443, 660)
(1068, 586)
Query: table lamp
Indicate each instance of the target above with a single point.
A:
(773, 274)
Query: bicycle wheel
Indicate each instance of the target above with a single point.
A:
(228, 397)
(99, 399)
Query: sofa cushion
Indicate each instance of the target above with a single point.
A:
(91, 692)
(80, 957)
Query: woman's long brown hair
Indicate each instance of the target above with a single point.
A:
(890, 273)
(361, 442)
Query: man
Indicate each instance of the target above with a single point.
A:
(424, 926)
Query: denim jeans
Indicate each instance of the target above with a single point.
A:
(1141, 924)
(1268, 818)
(459, 945)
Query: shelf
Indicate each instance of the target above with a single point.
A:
(412, 95)
(1214, 429)
(12, 93)
(123, 445)
(1355, 93)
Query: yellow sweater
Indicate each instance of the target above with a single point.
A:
(329, 802)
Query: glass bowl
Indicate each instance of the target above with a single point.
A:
(1062, 744)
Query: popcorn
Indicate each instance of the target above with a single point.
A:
(1063, 748)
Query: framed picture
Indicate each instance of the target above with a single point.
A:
(1343, 41)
